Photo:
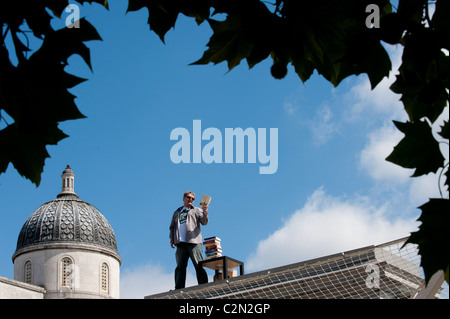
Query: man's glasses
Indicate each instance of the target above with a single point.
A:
(189, 197)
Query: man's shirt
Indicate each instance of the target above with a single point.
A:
(182, 224)
(190, 223)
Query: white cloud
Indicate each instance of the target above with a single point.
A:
(289, 108)
(380, 144)
(327, 225)
(382, 104)
(323, 127)
(372, 160)
(423, 188)
(148, 279)
(381, 100)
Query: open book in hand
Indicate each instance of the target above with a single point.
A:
(204, 201)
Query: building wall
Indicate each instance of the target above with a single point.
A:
(84, 279)
(12, 289)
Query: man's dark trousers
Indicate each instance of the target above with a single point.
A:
(184, 251)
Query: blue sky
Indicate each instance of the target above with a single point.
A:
(332, 191)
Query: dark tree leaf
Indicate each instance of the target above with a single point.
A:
(391, 28)
(249, 32)
(333, 38)
(228, 43)
(26, 150)
(36, 96)
(366, 55)
(447, 179)
(422, 79)
(432, 237)
(59, 45)
(101, 2)
(441, 22)
(163, 14)
(444, 130)
(418, 149)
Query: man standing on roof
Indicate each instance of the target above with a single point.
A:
(186, 235)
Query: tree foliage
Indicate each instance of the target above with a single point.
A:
(34, 92)
(335, 38)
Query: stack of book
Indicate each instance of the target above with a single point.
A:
(213, 248)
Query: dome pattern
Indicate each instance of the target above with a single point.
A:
(67, 220)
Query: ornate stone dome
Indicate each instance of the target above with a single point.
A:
(67, 222)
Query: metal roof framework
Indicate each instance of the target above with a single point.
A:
(385, 271)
